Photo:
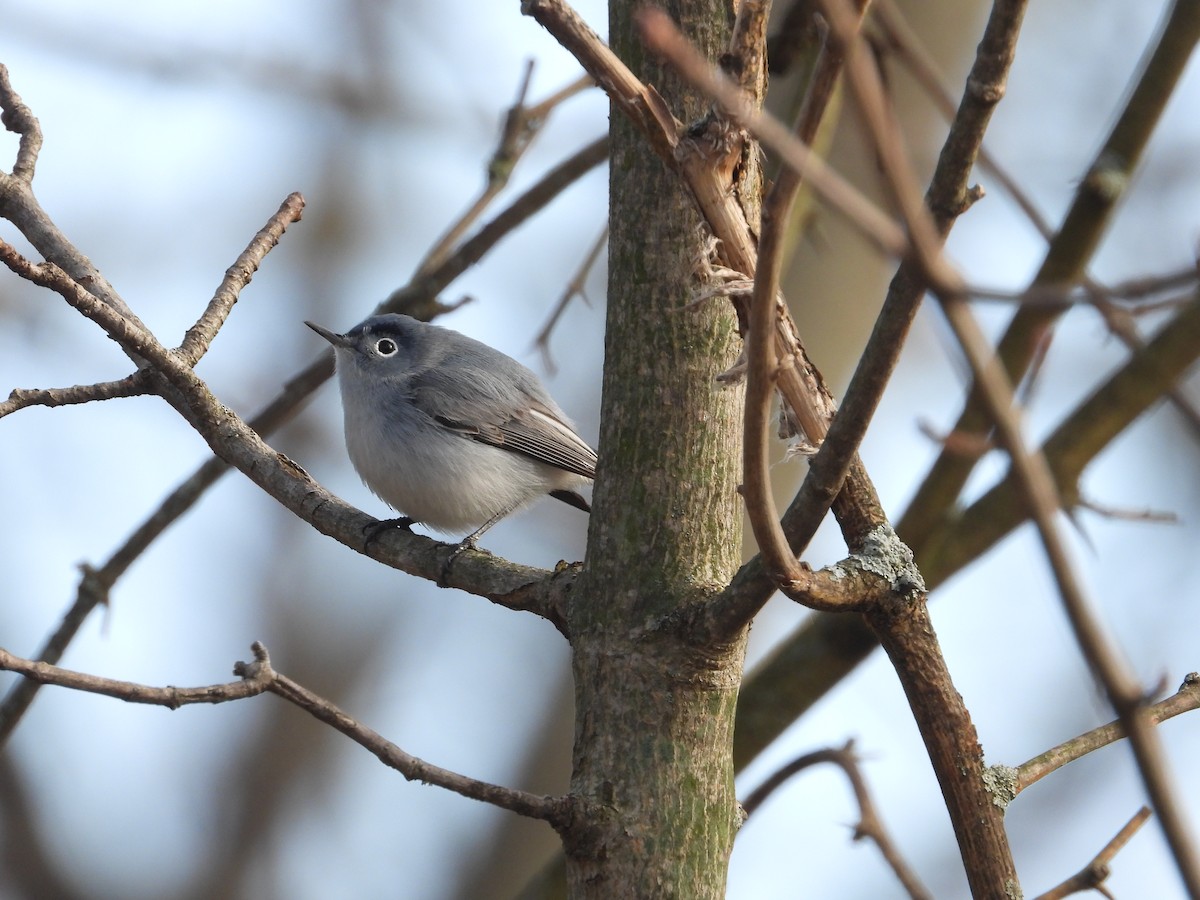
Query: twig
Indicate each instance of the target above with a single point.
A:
(1093, 294)
(920, 63)
(426, 285)
(870, 825)
(779, 557)
(661, 35)
(1072, 446)
(1149, 285)
(20, 206)
(837, 644)
(259, 677)
(1092, 876)
(761, 362)
(640, 103)
(256, 681)
(1068, 253)
(522, 124)
(197, 339)
(1128, 515)
(1186, 699)
(21, 398)
(20, 120)
(575, 288)
(1035, 482)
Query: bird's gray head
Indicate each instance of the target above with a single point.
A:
(381, 345)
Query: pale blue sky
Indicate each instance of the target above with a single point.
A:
(162, 178)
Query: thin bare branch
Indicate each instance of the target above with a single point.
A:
(543, 108)
(575, 288)
(20, 206)
(198, 338)
(425, 286)
(259, 677)
(1147, 286)
(1068, 253)
(1162, 517)
(1140, 294)
(254, 683)
(761, 365)
(20, 120)
(901, 38)
(555, 810)
(661, 35)
(1035, 481)
(522, 124)
(948, 195)
(870, 825)
(1092, 876)
(1186, 699)
(766, 304)
(642, 104)
(232, 439)
(21, 398)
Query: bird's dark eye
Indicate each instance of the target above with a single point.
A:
(385, 347)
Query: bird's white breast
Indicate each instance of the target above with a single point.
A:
(437, 476)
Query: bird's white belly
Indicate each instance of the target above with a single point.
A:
(453, 483)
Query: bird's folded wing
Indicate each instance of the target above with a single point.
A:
(543, 436)
(525, 424)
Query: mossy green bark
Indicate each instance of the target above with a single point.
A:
(655, 710)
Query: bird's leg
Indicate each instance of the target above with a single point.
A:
(470, 542)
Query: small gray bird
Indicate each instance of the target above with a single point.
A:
(448, 431)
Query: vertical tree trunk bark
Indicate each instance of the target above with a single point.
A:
(654, 712)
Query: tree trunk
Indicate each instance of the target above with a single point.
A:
(654, 712)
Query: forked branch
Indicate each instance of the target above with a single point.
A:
(1092, 876)
(260, 677)
(870, 825)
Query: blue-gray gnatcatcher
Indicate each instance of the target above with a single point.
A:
(448, 431)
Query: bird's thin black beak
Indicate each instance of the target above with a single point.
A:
(338, 340)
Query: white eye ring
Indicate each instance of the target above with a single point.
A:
(386, 347)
